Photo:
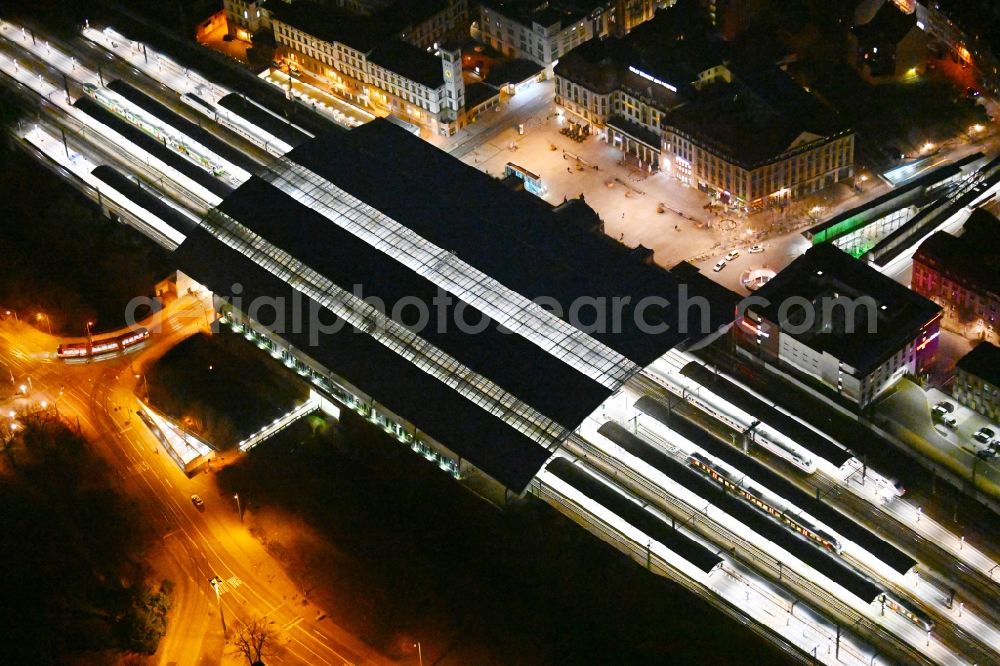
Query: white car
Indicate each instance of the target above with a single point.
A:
(756, 249)
(732, 255)
(719, 266)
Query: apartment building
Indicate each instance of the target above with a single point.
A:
(962, 273)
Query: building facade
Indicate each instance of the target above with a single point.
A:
(962, 274)
(545, 31)
(809, 164)
(671, 98)
(852, 332)
(244, 18)
(977, 380)
(383, 73)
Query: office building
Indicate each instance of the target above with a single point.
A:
(840, 327)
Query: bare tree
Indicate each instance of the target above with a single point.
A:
(252, 641)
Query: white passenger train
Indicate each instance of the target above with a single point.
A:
(118, 106)
(732, 416)
(227, 119)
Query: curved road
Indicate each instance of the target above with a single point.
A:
(196, 545)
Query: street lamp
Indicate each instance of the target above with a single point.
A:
(89, 324)
(420, 652)
(239, 509)
(48, 323)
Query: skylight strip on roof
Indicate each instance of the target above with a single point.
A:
(505, 306)
(404, 342)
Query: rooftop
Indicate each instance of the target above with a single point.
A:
(523, 242)
(333, 24)
(513, 71)
(983, 362)
(973, 255)
(359, 31)
(825, 272)
(889, 25)
(487, 442)
(544, 12)
(380, 214)
(760, 115)
(674, 47)
(408, 61)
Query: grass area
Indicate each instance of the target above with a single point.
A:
(62, 257)
(222, 387)
(393, 549)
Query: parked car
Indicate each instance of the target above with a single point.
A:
(756, 249)
(983, 435)
(944, 407)
(198, 502)
(719, 266)
(949, 421)
(985, 454)
(732, 255)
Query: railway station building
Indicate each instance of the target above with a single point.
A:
(479, 329)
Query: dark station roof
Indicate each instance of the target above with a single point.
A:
(636, 515)
(153, 147)
(842, 524)
(529, 246)
(983, 362)
(805, 437)
(517, 365)
(184, 126)
(826, 272)
(486, 441)
(516, 238)
(144, 198)
(271, 124)
(759, 522)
